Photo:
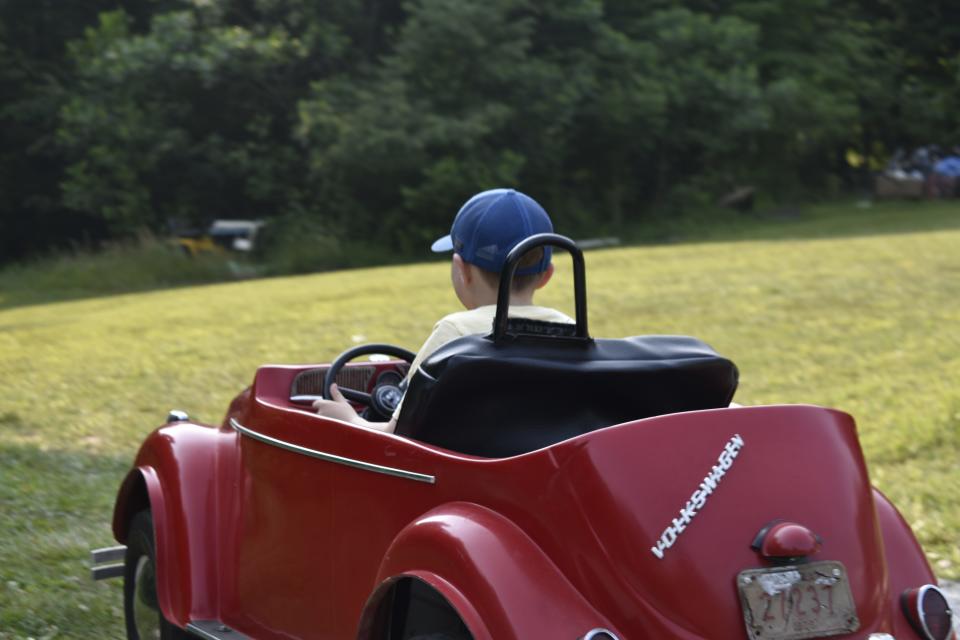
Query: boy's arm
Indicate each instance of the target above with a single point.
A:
(443, 332)
(340, 409)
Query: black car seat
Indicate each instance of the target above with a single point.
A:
(530, 384)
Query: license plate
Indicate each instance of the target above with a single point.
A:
(802, 601)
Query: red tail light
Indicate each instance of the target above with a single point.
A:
(928, 611)
(786, 542)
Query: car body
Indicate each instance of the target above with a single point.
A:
(725, 522)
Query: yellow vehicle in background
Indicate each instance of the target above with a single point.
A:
(221, 237)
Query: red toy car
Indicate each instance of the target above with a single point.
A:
(541, 485)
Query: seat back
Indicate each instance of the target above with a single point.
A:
(497, 399)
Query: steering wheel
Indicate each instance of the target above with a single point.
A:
(385, 397)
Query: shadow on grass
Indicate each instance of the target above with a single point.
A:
(55, 506)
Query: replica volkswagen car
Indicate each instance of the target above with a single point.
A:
(541, 484)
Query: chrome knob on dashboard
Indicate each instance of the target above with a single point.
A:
(176, 415)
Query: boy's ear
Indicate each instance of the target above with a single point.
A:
(545, 276)
(463, 269)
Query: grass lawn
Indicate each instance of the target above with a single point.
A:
(855, 309)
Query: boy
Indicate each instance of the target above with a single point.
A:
(484, 231)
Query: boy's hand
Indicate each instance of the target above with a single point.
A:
(337, 408)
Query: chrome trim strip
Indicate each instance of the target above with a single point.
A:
(329, 457)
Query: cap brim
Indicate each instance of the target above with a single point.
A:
(443, 244)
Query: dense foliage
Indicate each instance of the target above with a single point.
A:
(367, 122)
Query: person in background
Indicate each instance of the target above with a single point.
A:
(945, 177)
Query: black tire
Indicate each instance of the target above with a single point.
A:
(421, 613)
(140, 608)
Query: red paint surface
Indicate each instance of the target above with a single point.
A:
(549, 544)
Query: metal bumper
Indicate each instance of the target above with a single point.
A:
(107, 562)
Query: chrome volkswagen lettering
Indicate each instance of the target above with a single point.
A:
(699, 497)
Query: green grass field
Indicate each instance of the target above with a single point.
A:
(855, 309)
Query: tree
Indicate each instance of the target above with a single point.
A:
(33, 79)
(372, 120)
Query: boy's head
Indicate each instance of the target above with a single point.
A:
(484, 231)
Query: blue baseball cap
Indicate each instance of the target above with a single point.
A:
(492, 223)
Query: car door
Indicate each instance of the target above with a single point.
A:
(281, 563)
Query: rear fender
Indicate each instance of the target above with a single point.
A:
(175, 477)
(495, 576)
(906, 561)
(907, 566)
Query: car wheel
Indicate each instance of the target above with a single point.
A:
(419, 612)
(140, 605)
